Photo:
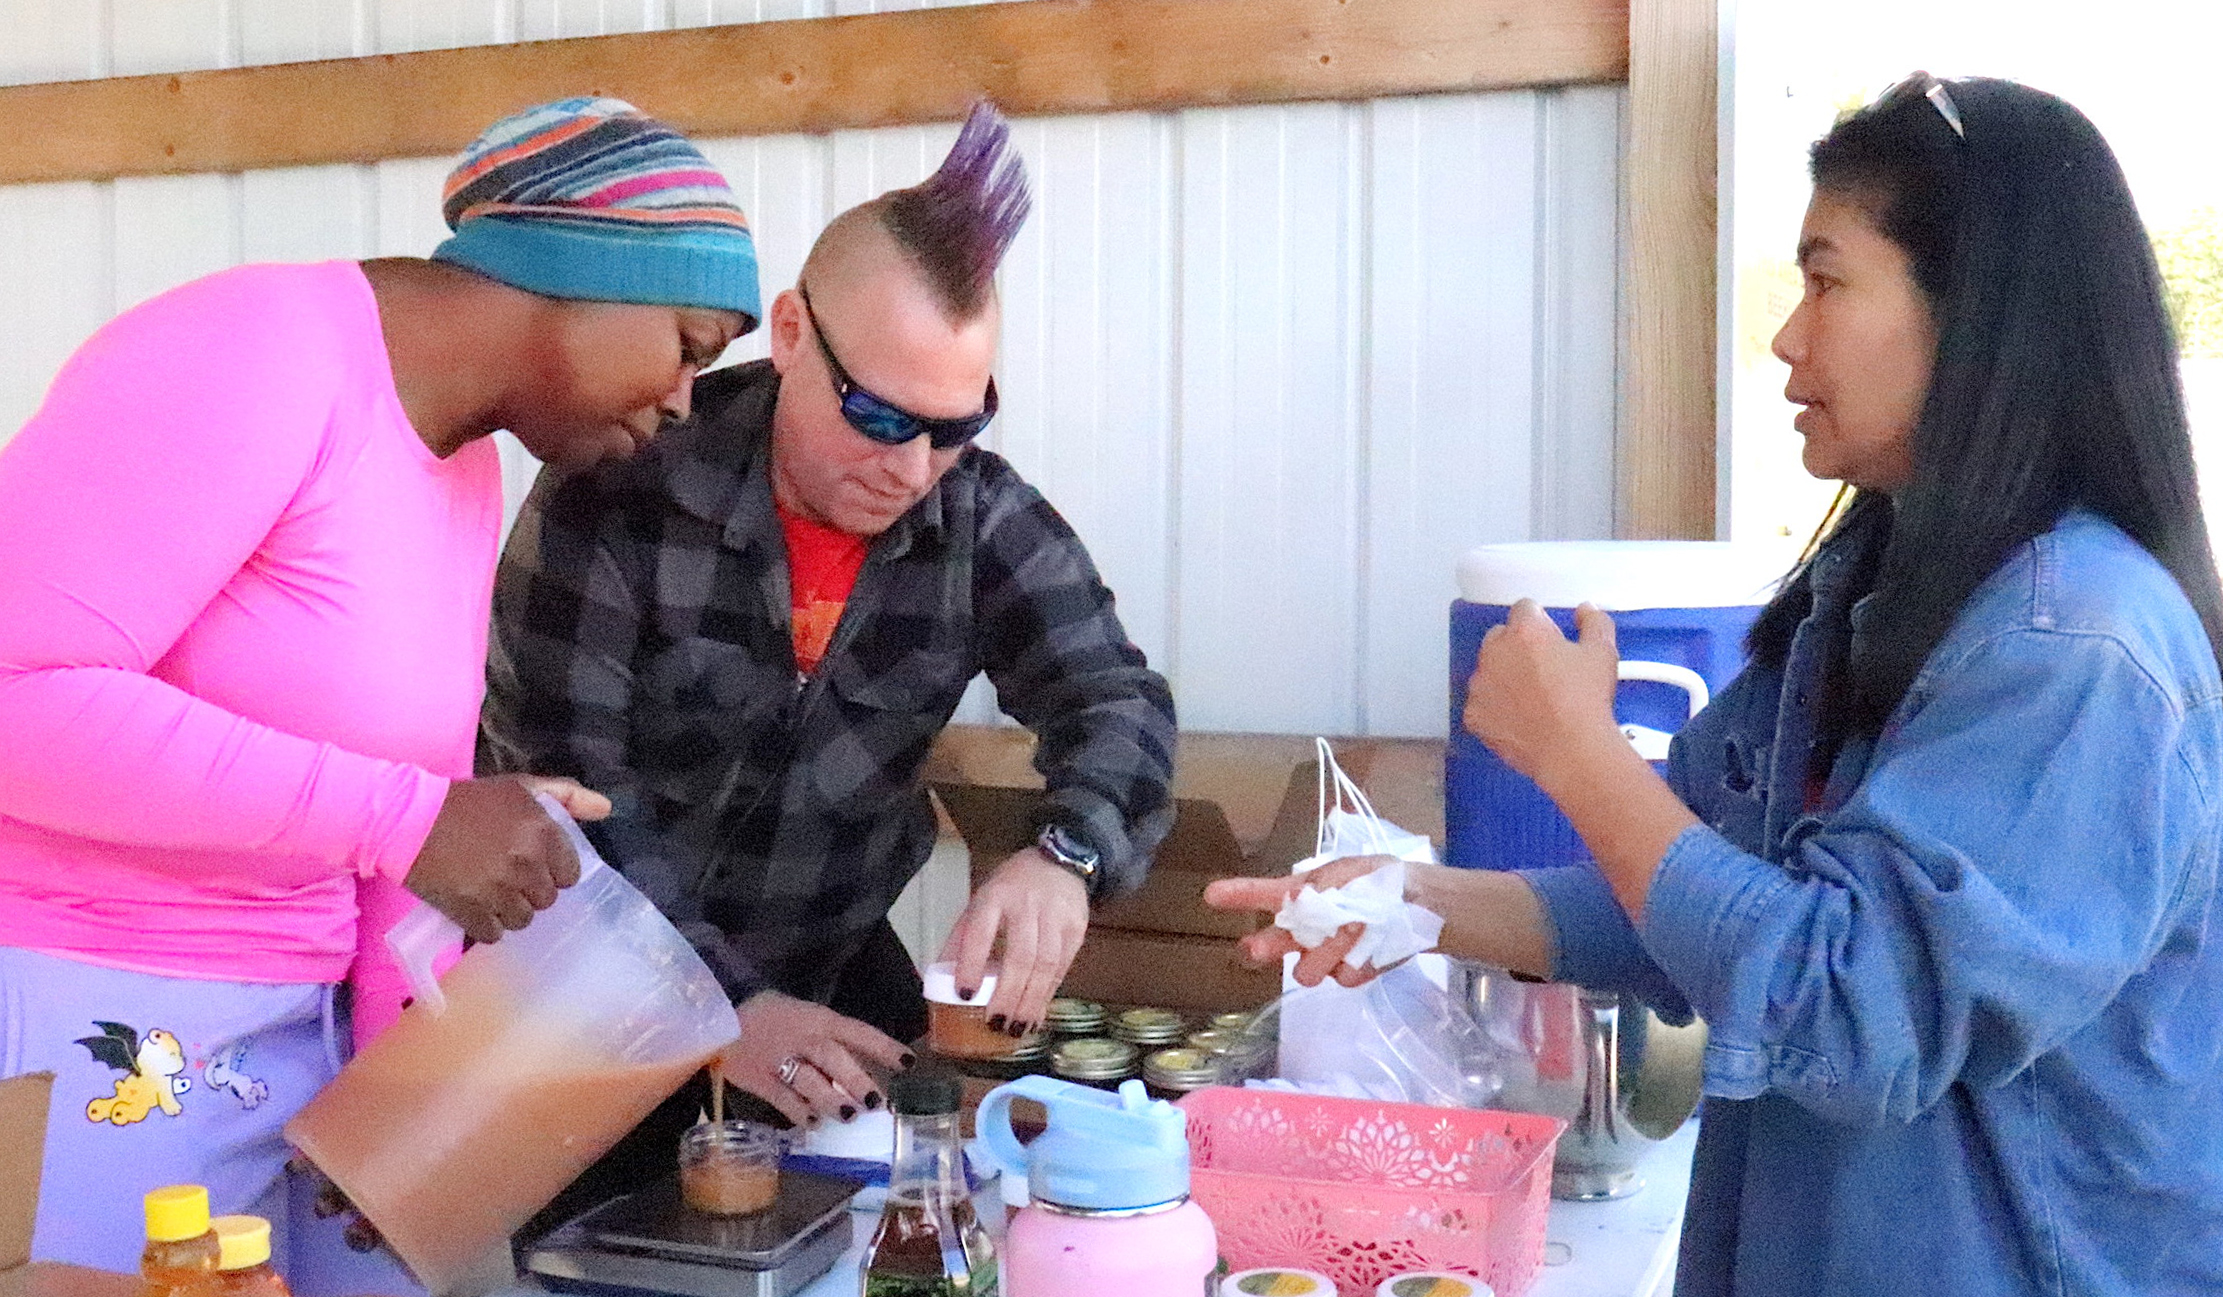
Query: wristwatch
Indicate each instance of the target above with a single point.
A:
(1067, 849)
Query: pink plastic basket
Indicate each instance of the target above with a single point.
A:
(1360, 1190)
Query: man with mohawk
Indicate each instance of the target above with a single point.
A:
(750, 635)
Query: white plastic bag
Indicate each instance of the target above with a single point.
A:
(1348, 826)
(1403, 1037)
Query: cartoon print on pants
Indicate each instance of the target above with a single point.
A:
(223, 1073)
(151, 1067)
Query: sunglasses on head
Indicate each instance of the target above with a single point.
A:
(1923, 85)
(884, 421)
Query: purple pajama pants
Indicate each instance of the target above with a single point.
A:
(171, 1080)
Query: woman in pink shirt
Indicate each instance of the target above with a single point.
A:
(246, 551)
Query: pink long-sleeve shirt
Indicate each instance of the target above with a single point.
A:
(243, 615)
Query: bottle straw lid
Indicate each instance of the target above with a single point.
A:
(244, 1241)
(177, 1212)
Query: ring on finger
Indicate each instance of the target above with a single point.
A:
(790, 1068)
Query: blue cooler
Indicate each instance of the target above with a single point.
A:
(1680, 612)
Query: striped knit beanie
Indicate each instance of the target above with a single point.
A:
(590, 199)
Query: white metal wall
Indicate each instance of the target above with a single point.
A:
(1278, 365)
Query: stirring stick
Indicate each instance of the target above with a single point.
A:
(717, 1096)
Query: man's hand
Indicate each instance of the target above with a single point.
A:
(1040, 910)
(494, 857)
(823, 1055)
(1268, 945)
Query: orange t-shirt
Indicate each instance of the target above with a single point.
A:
(822, 567)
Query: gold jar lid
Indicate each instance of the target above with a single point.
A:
(1181, 1069)
(1075, 1017)
(1149, 1026)
(1028, 1048)
(1213, 1040)
(1231, 1021)
(1093, 1058)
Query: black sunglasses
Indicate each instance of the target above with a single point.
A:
(1924, 85)
(884, 421)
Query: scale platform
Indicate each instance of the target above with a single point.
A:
(649, 1242)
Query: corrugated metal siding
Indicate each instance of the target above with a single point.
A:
(1278, 365)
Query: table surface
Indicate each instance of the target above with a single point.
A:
(1593, 1249)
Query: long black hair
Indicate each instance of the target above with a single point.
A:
(2054, 385)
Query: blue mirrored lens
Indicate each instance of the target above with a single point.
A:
(892, 426)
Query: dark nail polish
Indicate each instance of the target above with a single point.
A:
(873, 1100)
(849, 1112)
(910, 1061)
(995, 1022)
(1015, 1030)
(967, 993)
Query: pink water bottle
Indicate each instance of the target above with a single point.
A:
(1109, 1181)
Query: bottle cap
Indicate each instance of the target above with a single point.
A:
(244, 1241)
(177, 1212)
(1101, 1152)
(924, 1094)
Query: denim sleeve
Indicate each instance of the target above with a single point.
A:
(1593, 943)
(2009, 862)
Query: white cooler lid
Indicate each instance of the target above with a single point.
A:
(1626, 575)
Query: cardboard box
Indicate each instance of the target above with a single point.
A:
(23, 1106)
(1245, 805)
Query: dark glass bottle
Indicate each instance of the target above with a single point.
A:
(929, 1244)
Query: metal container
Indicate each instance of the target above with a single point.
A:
(1231, 1021)
(1641, 1082)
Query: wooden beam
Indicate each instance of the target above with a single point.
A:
(1664, 465)
(1041, 57)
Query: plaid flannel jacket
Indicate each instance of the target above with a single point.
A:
(641, 645)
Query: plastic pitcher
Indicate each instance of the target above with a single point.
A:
(1109, 1183)
(468, 1116)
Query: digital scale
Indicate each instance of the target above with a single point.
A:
(651, 1242)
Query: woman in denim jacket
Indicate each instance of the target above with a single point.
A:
(1938, 868)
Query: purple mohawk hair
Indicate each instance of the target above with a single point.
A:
(958, 222)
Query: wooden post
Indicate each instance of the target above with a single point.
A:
(1665, 460)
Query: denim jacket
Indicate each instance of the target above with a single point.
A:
(1966, 1008)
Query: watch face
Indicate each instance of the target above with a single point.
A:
(1063, 848)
